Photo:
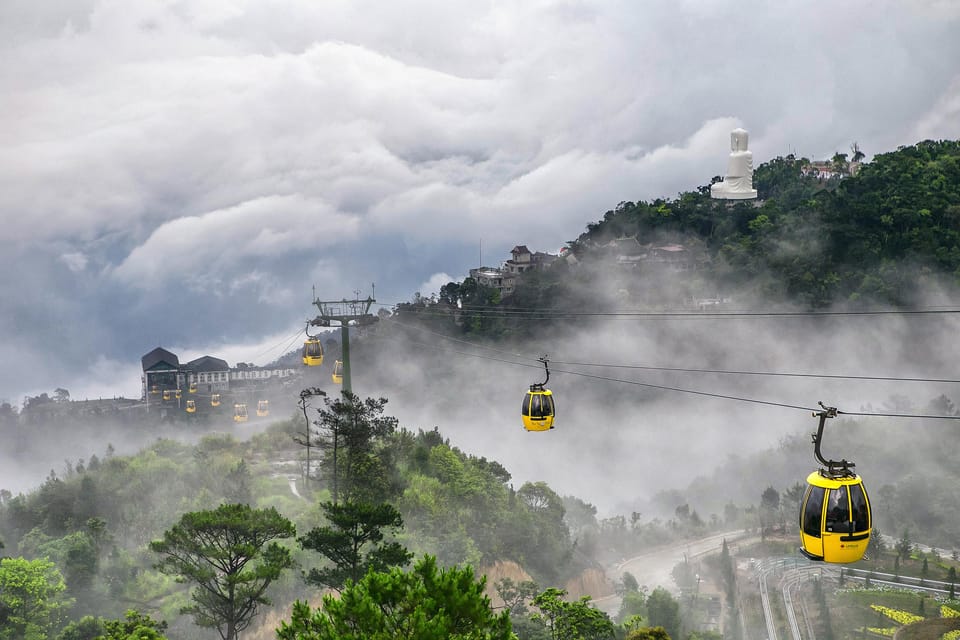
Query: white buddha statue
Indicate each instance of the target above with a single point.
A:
(738, 183)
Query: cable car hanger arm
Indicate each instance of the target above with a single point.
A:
(835, 468)
(546, 366)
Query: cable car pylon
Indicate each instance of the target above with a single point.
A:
(345, 312)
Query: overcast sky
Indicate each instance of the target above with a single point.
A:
(182, 173)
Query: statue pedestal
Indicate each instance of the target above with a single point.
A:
(733, 189)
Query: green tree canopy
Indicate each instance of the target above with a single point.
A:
(564, 619)
(134, 626)
(230, 554)
(426, 603)
(648, 633)
(31, 599)
(354, 542)
(515, 594)
(664, 611)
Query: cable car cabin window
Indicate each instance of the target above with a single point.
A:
(812, 510)
(546, 403)
(539, 406)
(859, 508)
(536, 411)
(838, 510)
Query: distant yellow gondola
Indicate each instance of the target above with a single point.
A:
(192, 388)
(191, 406)
(240, 412)
(215, 400)
(154, 389)
(337, 375)
(167, 394)
(538, 410)
(178, 393)
(312, 352)
(263, 408)
(835, 517)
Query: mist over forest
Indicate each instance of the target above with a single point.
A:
(684, 392)
(701, 226)
(621, 435)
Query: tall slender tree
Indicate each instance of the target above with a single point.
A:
(349, 431)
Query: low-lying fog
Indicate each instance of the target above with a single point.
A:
(615, 444)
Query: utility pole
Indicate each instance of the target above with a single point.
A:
(345, 312)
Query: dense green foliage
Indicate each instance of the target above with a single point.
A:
(867, 236)
(425, 603)
(97, 519)
(134, 626)
(354, 542)
(31, 598)
(564, 619)
(351, 434)
(461, 508)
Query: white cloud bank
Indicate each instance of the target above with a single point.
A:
(190, 169)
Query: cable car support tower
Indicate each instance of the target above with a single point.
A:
(354, 312)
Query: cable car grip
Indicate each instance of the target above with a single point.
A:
(539, 385)
(834, 468)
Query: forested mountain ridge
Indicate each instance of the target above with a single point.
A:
(865, 237)
(873, 238)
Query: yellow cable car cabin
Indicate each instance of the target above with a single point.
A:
(835, 519)
(191, 406)
(179, 394)
(240, 412)
(312, 352)
(167, 394)
(538, 410)
(337, 375)
(263, 408)
(215, 400)
(154, 389)
(192, 388)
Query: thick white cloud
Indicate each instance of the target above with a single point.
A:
(435, 282)
(197, 156)
(203, 247)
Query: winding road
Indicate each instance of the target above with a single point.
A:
(655, 568)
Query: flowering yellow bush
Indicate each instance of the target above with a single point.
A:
(888, 631)
(951, 635)
(947, 612)
(896, 615)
